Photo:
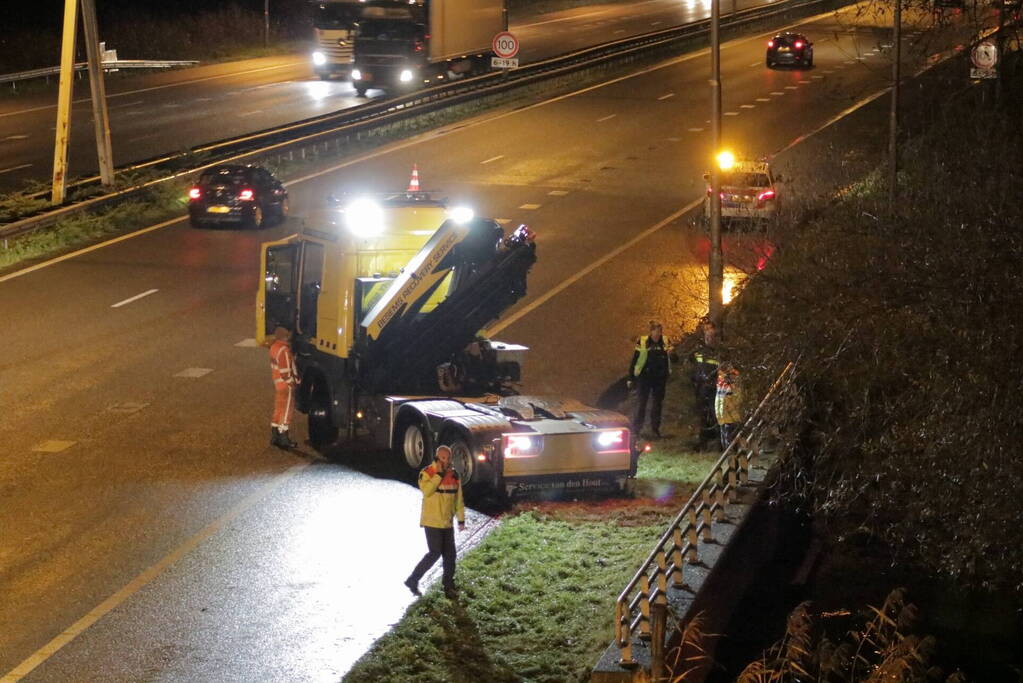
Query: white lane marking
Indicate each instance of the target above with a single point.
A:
(656, 23)
(492, 159)
(140, 581)
(747, 106)
(247, 343)
(204, 99)
(666, 96)
(677, 139)
(777, 93)
(19, 136)
(51, 446)
(616, 32)
(763, 99)
(530, 207)
(194, 373)
(144, 137)
(551, 293)
(250, 113)
(127, 104)
(13, 168)
(792, 87)
(849, 61)
(133, 113)
(829, 71)
(817, 78)
(557, 193)
(171, 105)
(755, 64)
(411, 142)
(607, 118)
(694, 130)
(134, 298)
(731, 113)
(804, 80)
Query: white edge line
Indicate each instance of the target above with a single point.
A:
(140, 581)
(551, 293)
(492, 159)
(15, 168)
(134, 298)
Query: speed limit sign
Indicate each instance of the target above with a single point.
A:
(505, 45)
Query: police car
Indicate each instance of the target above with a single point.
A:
(747, 191)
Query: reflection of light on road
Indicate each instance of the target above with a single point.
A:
(317, 90)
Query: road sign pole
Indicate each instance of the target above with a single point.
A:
(100, 117)
(66, 83)
(715, 273)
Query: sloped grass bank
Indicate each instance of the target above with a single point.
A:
(537, 595)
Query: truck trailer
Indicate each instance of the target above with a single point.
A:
(385, 298)
(408, 45)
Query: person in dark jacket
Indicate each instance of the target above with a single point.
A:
(704, 378)
(649, 371)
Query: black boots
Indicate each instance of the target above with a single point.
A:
(281, 439)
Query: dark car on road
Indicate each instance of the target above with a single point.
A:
(249, 196)
(789, 48)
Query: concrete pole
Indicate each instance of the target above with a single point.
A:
(100, 118)
(715, 276)
(266, 23)
(893, 119)
(66, 83)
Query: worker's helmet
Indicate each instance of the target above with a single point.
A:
(282, 333)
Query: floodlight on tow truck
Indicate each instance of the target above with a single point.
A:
(364, 217)
(461, 214)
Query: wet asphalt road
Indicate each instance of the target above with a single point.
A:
(148, 531)
(162, 113)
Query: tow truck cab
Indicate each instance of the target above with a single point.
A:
(386, 308)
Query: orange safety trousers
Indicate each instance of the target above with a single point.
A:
(284, 405)
(282, 366)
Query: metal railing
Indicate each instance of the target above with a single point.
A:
(107, 66)
(679, 545)
(320, 132)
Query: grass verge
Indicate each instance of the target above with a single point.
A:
(537, 595)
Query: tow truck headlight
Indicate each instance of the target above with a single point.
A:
(461, 214)
(319, 59)
(405, 76)
(364, 218)
(356, 75)
(612, 441)
(522, 445)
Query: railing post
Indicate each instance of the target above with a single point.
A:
(708, 533)
(662, 572)
(623, 635)
(660, 619)
(678, 579)
(694, 541)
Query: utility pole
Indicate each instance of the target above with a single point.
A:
(99, 95)
(67, 79)
(715, 275)
(893, 122)
(266, 23)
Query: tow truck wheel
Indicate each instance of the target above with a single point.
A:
(414, 444)
(461, 457)
(322, 430)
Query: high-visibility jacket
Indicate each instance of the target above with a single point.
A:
(728, 400)
(442, 497)
(282, 364)
(705, 367)
(654, 357)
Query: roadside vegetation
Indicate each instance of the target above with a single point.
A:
(906, 330)
(537, 595)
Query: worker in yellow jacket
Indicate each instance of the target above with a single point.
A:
(442, 501)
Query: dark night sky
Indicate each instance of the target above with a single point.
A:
(42, 13)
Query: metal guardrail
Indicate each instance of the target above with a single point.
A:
(107, 66)
(679, 545)
(320, 132)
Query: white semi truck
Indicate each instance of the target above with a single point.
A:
(334, 23)
(408, 45)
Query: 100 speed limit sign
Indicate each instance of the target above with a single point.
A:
(505, 45)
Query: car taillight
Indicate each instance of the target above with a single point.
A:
(245, 195)
(770, 43)
(611, 441)
(522, 445)
(765, 195)
(418, 46)
(194, 193)
(798, 45)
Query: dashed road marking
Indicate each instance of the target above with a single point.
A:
(247, 343)
(14, 168)
(677, 139)
(171, 105)
(755, 64)
(747, 106)
(557, 193)
(829, 71)
(15, 137)
(194, 373)
(777, 93)
(204, 99)
(607, 118)
(134, 298)
(849, 61)
(731, 113)
(128, 408)
(763, 99)
(530, 207)
(492, 159)
(621, 30)
(53, 446)
(817, 78)
(250, 113)
(666, 96)
(694, 130)
(127, 104)
(656, 23)
(792, 87)
(804, 80)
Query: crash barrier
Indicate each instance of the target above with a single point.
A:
(108, 65)
(319, 135)
(678, 547)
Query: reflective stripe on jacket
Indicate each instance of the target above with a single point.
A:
(282, 363)
(642, 355)
(728, 400)
(442, 497)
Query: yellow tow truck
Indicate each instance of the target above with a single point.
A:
(385, 298)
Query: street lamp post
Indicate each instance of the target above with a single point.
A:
(715, 276)
(266, 23)
(893, 122)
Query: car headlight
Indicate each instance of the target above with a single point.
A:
(319, 59)
(461, 214)
(522, 445)
(356, 75)
(364, 218)
(405, 76)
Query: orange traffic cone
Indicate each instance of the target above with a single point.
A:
(413, 183)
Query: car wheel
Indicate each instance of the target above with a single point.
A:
(461, 457)
(413, 444)
(360, 90)
(324, 76)
(256, 221)
(809, 62)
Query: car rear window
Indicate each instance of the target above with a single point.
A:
(745, 180)
(225, 177)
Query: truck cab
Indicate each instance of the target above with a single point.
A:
(334, 24)
(386, 298)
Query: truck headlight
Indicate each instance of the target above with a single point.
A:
(356, 75)
(612, 441)
(522, 445)
(405, 76)
(319, 59)
(461, 214)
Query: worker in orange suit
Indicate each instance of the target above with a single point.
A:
(285, 377)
